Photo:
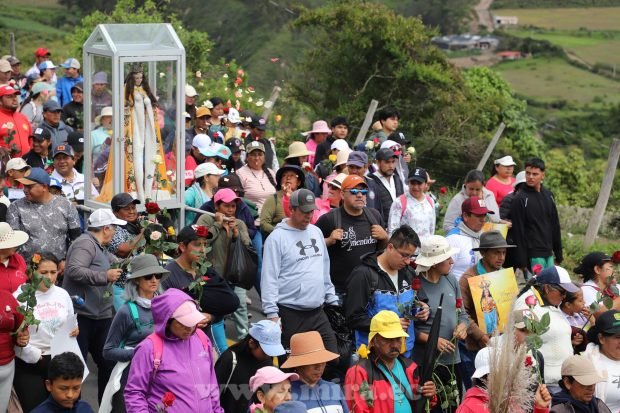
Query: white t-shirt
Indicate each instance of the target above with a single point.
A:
(611, 394)
(393, 276)
(590, 290)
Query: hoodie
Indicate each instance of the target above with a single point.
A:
(295, 270)
(563, 402)
(476, 401)
(186, 368)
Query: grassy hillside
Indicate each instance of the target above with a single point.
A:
(533, 4)
(593, 18)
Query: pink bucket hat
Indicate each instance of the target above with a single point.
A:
(270, 375)
(187, 314)
(320, 126)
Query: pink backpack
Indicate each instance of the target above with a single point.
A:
(403, 203)
(158, 347)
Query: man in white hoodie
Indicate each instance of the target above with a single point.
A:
(296, 283)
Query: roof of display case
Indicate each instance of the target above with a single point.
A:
(132, 39)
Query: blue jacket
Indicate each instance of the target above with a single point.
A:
(63, 88)
(50, 406)
(323, 397)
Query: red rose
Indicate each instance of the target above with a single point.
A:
(459, 303)
(536, 269)
(152, 208)
(416, 284)
(168, 399)
(443, 190)
(205, 278)
(376, 140)
(243, 135)
(615, 258)
(202, 231)
(529, 362)
(531, 301)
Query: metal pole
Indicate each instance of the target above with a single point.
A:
(491, 146)
(603, 196)
(12, 44)
(271, 102)
(367, 121)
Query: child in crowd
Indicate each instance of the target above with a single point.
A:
(573, 306)
(64, 382)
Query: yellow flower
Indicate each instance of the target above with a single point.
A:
(157, 159)
(278, 118)
(363, 351)
(332, 157)
(411, 150)
(171, 231)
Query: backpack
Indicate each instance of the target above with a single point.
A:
(403, 203)
(133, 309)
(158, 347)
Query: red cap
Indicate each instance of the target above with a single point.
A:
(476, 206)
(352, 181)
(6, 90)
(42, 52)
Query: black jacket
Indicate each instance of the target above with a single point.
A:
(34, 160)
(384, 196)
(232, 399)
(365, 279)
(535, 226)
(323, 150)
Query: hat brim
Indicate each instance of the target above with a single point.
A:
(135, 202)
(298, 154)
(307, 208)
(27, 181)
(249, 151)
(570, 287)
(590, 379)
(322, 356)
(417, 179)
(356, 163)
(430, 261)
(491, 247)
(272, 350)
(17, 239)
(147, 271)
(481, 372)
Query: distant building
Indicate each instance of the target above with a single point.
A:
(510, 55)
(505, 20)
(464, 42)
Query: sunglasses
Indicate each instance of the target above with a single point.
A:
(558, 288)
(358, 191)
(150, 277)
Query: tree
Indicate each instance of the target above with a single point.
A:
(363, 51)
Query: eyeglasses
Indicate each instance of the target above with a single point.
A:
(357, 191)
(150, 277)
(405, 255)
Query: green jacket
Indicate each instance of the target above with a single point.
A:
(272, 213)
(220, 242)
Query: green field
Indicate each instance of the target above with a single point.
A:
(552, 79)
(596, 18)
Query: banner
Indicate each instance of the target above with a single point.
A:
(493, 294)
(490, 226)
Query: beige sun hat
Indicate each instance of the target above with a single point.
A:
(308, 348)
(342, 157)
(10, 238)
(297, 149)
(435, 250)
(106, 111)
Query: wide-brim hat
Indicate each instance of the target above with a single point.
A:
(435, 250)
(106, 111)
(10, 238)
(492, 239)
(308, 348)
(320, 126)
(297, 149)
(293, 168)
(145, 264)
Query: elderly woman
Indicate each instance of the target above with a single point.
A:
(271, 387)
(579, 378)
(434, 264)
(543, 294)
(473, 186)
(298, 155)
(289, 178)
(309, 357)
(597, 271)
(604, 351)
(132, 323)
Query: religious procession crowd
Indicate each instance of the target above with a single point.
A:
(365, 307)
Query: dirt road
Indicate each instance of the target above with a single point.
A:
(483, 14)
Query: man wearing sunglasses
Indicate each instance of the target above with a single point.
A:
(88, 274)
(383, 282)
(351, 231)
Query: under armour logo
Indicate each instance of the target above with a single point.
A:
(303, 248)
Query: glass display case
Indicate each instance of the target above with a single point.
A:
(133, 116)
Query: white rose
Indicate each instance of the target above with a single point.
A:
(155, 235)
(411, 150)
(370, 145)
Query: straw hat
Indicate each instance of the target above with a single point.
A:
(308, 348)
(10, 238)
(297, 149)
(435, 250)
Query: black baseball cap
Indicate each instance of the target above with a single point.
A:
(122, 200)
(608, 322)
(258, 122)
(418, 174)
(76, 140)
(235, 145)
(41, 134)
(398, 137)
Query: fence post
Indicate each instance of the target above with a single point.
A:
(603, 196)
(367, 121)
(491, 146)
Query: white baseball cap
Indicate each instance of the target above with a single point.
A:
(505, 161)
(16, 164)
(102, 217)
(340, 144)
(201, 141)
(190, 91)
(207, 168)
(233, 116)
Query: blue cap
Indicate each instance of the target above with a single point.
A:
(36, 176)
(55, 183)
(51, 106)
(558, 276)
(268, 334)
(292, 406)
(210, 151)
(48, 64)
